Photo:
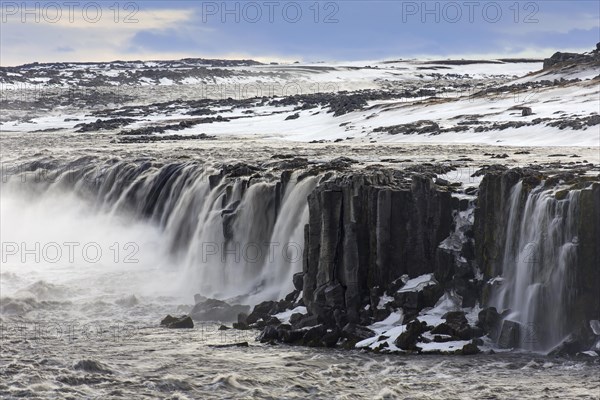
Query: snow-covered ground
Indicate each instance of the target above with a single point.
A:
(470, 103)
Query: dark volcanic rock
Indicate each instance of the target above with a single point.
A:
(182, 322)
(268, 334)
(559, 58)
(510, 334)
(489, 320)
(469, 349)
(262, 311)
(356, 333)
(298, 280)
(365, 231)
(99, 125)
(314, 336)
(217, 310)
(408, 339)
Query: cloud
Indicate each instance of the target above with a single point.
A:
(84, 41)
(170, 29)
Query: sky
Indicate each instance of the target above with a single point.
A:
(301, 30)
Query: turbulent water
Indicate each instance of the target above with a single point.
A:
(122, 242)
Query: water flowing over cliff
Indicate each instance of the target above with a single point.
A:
(231, 232)
(351, 248)
(538, 244)
(539, 264)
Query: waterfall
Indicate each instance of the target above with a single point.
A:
(538, 263)
(233, 237)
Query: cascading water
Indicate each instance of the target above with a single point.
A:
(244, 246)
(233, 238)
(538, 262)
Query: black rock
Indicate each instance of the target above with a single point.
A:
(296, 318)
(268, 334)
(489, 320)
(510, 335)
(166, 321)
(217, 310)
(313, 336)
(223, 346)
(455, 318)
(306, 321)
(470, 349)
(356, 333)
(330, 339)
(298, 280)
(442, 329)
(291, 336)
(408, 339)
(183, 322)
(262, 310)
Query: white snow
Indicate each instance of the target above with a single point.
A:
(392, 327)
(419, 283)
(285, 316)
(383, 301)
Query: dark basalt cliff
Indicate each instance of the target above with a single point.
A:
(364, 233)
(368, 232)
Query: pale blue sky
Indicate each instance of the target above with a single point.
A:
(306, 30)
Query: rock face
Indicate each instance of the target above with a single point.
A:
(573, 58)
(386, 241)
(490, 215)
(366, 231)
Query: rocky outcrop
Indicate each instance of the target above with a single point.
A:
(217, 310)
(490, 214)
(183, 322)
(365, 232)
(573, 58)
(386, 241)
(586, 305)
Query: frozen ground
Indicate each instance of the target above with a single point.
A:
(376, 102)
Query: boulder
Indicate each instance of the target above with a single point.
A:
(313, 336)
(330, 338)
(306, 321)
(183, 322)
(168, 320)
(510, 335)
(488, 319)
(291, 336)
(262, 311)
(408, 339)
(469, 349)
(298, 280)
(217, 310)
(269, 334)
(356, 333)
